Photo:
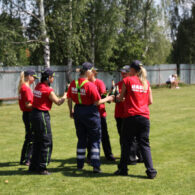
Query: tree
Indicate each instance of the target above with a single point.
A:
(10, 33)
(184, 45)
(39, 15)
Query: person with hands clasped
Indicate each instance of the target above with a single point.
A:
(138, 96)
(86, 116)
(44, 96)
(27, 78)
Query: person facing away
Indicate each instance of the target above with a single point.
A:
(134, 154)
(86, 116)
(138, 96)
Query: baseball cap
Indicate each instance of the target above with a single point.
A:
(31, 73)
(48, 72)
(87, 66)
(136, 64)
(125, 69)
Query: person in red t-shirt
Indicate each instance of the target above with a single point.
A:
(135, 155)
(119, 106)
(44, 96)
(138, 96)
(27, 78)
(86, 116)
(101, 108)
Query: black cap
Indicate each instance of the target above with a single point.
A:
(31, 73)
(136, 65)
(48, 72)
(87, 66)
(125, 69)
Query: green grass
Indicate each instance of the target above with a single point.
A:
(172, 143)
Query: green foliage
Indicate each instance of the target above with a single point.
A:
(109, 33)
(129, 47)
(159, 48)
(184, 45)
(11, 53)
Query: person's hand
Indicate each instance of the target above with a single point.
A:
(72, 114)
(65, 95)
(111, 98)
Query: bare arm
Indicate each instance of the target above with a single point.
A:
(120, 98)
(150, 100)
(70, 107)
(56, 100)
(106, 99)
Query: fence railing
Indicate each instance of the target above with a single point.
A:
(157, 75)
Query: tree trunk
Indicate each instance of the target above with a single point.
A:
(93, 36)
(45, 38)
(69, 69)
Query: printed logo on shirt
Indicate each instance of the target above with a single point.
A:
(138, 88)
(75, 91)
(37, 94)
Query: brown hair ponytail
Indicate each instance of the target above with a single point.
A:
(21, 81)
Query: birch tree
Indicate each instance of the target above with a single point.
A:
(21, 8)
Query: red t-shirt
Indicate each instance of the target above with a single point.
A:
(25, 95)
(136, 98)
(102, 90)
(119, 107)
(89, 93)
(41, 99)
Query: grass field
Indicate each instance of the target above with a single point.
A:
(172, 142)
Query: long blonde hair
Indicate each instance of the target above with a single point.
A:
(142, 74)
(22, 80)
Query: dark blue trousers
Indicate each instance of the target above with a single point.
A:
(42, 146)
(88, 130)
(139, 127)
(27, 146)
(134, 147)
(105, 138)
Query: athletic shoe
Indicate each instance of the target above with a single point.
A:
(96, 170)
(151, 174)
(120, 172)
(45, 172)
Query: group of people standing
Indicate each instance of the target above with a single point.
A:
(88, 94)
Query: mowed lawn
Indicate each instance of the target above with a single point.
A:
(172, 143)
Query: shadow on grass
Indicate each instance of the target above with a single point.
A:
(9, 164)
(67, 167)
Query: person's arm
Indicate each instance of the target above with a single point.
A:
(120, 98)
(70, 107)
(56, 100)
(150, 100)
(104, 100)
(28, 105)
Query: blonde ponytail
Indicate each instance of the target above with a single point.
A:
(142, 74)
(21, 81)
